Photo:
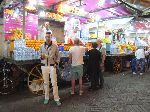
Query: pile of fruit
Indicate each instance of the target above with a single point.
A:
(16, 34)
(67, 47)
(34, 44)
(106, 40)
(122, 47)
(131, 47)
(93, 36)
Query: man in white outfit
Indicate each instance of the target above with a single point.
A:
(140, 57)
(50, 58)
(45, 28)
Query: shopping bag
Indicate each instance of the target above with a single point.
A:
(66, 72)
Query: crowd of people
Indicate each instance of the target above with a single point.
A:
(95, 67)
(50, 59)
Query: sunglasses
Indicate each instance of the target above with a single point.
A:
(47, 36)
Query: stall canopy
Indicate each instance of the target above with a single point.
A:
(103, 8)
(106, 8)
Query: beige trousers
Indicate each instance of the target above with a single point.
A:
(46, 71)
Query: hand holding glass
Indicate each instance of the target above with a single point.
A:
(44, 56)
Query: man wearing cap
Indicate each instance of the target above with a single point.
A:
(50, 58)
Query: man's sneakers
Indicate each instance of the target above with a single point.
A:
(141, 73)
(134, 73)
(46, 101)
(58, 103)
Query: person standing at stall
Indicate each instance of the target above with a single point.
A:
(76, 59)
(45, 28)
(102, 65)
(94, 70)
(140, 60)
(50, 58)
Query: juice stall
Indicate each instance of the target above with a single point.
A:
(26, 22)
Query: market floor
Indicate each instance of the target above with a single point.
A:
(122, 93)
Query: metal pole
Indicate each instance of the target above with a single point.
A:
(24, 18)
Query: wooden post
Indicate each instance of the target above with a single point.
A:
(24, 20)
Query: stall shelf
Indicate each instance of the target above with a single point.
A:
(118, 63)
(29, 71)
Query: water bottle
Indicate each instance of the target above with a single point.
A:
(38, 55)
(23, 55)
(14, 57)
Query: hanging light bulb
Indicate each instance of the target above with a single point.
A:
(101, 3)
(42, 14)
(32, 2)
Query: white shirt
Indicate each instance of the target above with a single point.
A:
(43, 34)
(140, 53)
(77, 53)
(69, 28)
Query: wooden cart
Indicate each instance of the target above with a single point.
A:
(29, 70)
(117, 63)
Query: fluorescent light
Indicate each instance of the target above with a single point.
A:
(120, 21)
(101, 3)
(42, 14)
(32, 2)
(131, 28)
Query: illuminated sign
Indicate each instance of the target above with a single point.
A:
(53, 16)
(66, 9)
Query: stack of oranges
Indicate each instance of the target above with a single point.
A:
(67, 47)
(34, 44)
(16, 34)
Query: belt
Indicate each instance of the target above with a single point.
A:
(46, 65)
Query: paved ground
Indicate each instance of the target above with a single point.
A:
(122, 93)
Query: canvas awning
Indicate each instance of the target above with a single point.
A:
(104, 8)
(107, 8)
